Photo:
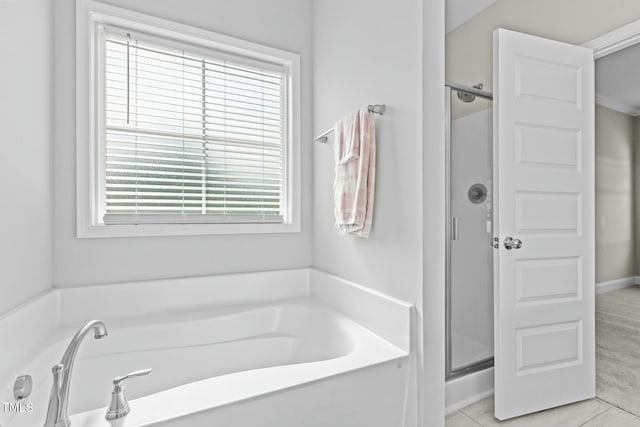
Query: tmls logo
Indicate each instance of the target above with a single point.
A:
(17, 407)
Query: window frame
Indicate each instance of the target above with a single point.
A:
(91, 16)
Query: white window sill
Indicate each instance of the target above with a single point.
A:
(151, 230)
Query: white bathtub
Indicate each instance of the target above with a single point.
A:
(272, 363)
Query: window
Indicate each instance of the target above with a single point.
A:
(190, 138)
(188, 134)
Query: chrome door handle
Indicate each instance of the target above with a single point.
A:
(511, 243)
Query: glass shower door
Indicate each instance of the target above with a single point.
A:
(469, 250)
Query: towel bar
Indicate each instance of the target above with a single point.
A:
(374, 108)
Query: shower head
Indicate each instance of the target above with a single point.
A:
(466, 96)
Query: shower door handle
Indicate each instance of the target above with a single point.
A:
(455, 233)
(511, 243)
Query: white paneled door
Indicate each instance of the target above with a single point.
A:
(544, 223)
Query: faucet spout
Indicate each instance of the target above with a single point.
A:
(58, 401)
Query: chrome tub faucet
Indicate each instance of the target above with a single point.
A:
(58, 400)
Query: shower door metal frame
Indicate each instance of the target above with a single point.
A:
(488, 362)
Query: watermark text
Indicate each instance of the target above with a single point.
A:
(17, 407)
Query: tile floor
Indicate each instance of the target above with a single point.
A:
(590, 413)
(617, 376)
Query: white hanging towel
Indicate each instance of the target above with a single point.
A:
(355, 157)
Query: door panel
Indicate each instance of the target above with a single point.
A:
(544, 197)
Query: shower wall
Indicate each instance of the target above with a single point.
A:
(471, 254)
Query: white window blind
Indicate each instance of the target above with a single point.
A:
(191, 137)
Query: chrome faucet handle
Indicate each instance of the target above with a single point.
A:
(141, 373)
(119, 406)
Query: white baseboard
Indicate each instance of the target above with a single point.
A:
(469, 389)
(612, 285)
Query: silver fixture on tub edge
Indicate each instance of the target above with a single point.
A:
(22, 387)
(119, 406)
(59, 398)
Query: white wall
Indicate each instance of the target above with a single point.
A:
(636, 191)
(469, 58)
(370, 52)
(457, 12)
(25, 153)
(615, 240)
(431, 307)
(283, 24)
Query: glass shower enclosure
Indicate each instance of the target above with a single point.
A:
(469, 269)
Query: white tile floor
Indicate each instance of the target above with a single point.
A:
(590, 413)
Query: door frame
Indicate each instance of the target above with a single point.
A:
(612, 42)
(430, 307)
(615, 40)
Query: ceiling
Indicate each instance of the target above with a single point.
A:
(459, 11)
(618, 80)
